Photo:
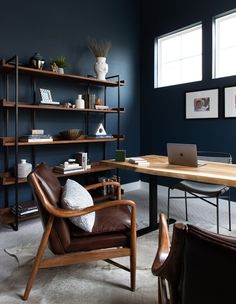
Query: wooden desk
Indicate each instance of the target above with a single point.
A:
(212, 172)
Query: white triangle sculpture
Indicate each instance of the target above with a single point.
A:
(100, 130)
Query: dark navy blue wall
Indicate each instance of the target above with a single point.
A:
(163, 109)
(56, 28)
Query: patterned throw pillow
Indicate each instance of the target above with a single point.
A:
(74, 197)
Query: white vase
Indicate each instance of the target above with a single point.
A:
(60, 70)
(101, 68)
(24, 168)
(79, 102)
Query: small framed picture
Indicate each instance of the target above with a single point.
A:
(202, 104)
(46, 95)
(230, 101)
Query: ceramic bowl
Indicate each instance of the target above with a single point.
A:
(71, 134)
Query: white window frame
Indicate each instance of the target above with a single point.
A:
(157, 52)
(215, 42)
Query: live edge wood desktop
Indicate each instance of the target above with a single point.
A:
(212, 172)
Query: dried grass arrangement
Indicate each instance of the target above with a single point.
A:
(99, 48)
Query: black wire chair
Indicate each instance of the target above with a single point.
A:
(204, 191)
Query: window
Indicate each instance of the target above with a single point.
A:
(178, 57)
(224, 45)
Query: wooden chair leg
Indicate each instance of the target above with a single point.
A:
(36, 264)
(133, 271)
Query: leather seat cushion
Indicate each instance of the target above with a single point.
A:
(200, 188)
(111, 229)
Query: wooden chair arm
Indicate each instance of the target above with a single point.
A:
(163, 245)
(63, 213)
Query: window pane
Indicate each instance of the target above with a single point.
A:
(192, 43)
(224, 59)
(179, 57)
(191, 69)
(171, 49)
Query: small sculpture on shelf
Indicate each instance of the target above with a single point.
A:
(37, 61)
(58, 64)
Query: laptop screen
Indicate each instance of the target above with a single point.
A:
(182, 154)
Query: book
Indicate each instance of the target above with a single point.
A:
(36, 138)
(138, 161)
(37, 132)
(100, 136)
(101, 107)
(25, 208)
(48, 102)
(66, 171)
(69, 166)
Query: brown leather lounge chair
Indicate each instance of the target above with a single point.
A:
(113, 234)
(199, 267)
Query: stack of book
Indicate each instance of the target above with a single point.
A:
(67, 168)
(25, 208)
(138, 161)
(36, 138)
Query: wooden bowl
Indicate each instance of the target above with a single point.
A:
(71, 134)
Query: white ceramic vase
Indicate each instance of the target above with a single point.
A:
(79, 102)
(60, 70)
(101, 68)
(24, 168)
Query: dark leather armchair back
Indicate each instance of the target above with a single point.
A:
(209, 268)
(49, 185)
(200, 266)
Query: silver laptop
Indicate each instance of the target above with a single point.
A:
(183, 155)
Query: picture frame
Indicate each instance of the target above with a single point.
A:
(202, 104)
(46, 95)
(230, 102)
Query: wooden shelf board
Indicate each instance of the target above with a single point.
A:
(96, 167)
(9, 141)
(44, 73)
(8, 218)
(11, 104)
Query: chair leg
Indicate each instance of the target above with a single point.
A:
(186, 206)
(217, 213)
(133, 271)
(168, 207)
(38, 258)
(229, 206)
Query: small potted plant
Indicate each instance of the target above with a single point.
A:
(100, 50)
(58, 64)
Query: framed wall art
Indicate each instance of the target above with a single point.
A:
(230, 101)
(45, 95)
(202, 104)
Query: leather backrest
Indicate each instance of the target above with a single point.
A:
(51, 188)
(209, 268)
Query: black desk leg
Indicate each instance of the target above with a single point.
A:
(153, 202)
(153, 207)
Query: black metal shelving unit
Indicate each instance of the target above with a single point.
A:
(11, 66)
